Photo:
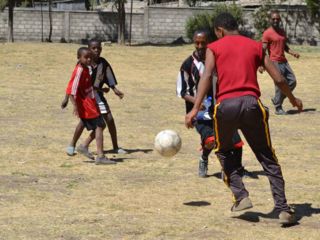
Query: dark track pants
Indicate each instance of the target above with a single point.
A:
(287, 73)
(251, 117)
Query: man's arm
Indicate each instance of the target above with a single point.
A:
(281, 83)
(203, 88)
(288, 50)
(264, 49)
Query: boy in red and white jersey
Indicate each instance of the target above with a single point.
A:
(82, 97)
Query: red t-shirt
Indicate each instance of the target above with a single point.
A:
(80, 86)
(237, 59)
(276, 44)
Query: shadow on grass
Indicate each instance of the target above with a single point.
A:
(291, 112)
(129, 151)
(118, 160)
(252, 174)
(301, 210)
(197, 203)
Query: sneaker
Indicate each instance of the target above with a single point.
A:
(203, 168)
(70, 150)
(103, 160)
(287, 217)
(120, 151)
(280, 111)
(243, 204)
(84, 151)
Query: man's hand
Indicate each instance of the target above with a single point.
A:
(296, 55)
(118, 93)
(296, 102)
(189, 119)
(261, 69)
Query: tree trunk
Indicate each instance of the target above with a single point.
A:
(10, 21)
(121, 22)
(50, 21)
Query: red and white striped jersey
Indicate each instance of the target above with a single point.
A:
(80, 86)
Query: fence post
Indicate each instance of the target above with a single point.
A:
(66, 26)
(146, 22)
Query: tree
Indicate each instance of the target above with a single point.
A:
(50, 20)
(11, 4)
(119, 4)
(314, 8)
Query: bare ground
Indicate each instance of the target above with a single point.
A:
(44, 194)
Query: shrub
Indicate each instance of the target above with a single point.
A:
(261, 19)
(205, 20)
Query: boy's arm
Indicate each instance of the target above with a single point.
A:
(117, 92)
(281, 83)
(203, 88)
(112, 81)
(65, 101)
(104, 90)
(75, 108)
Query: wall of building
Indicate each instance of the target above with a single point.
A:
(155, 25)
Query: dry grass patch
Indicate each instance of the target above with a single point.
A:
(44, 194)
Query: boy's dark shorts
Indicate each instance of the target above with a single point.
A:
(93, 123)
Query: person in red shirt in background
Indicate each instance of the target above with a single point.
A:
(236, 59)
(84, 103)
(274, 40)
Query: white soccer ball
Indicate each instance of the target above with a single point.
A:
(167, 143)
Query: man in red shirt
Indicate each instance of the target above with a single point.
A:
(236, 60)
(275, 41)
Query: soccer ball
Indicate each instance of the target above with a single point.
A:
(167, 143)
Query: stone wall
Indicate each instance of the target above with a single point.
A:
(155, 25)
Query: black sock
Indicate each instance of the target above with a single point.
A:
(205, 153)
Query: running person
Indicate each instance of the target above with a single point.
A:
(187, 83)
(236, 60)
(275, 41)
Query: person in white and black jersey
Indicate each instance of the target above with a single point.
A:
(186, 88)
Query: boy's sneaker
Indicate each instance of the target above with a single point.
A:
(287, 217)
(203, 167)
(103, 160)
(70, 150)
(120, 151)
(243, 204)
(84, 151)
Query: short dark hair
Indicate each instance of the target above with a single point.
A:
(200, 31)
(274, 11)
(92, 41)
(81, 51)
(226, 21)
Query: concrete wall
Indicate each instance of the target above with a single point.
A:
(155, 25)
(72, 26)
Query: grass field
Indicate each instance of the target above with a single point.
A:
(44, 194)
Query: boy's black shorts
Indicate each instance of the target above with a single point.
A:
(93, 123)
